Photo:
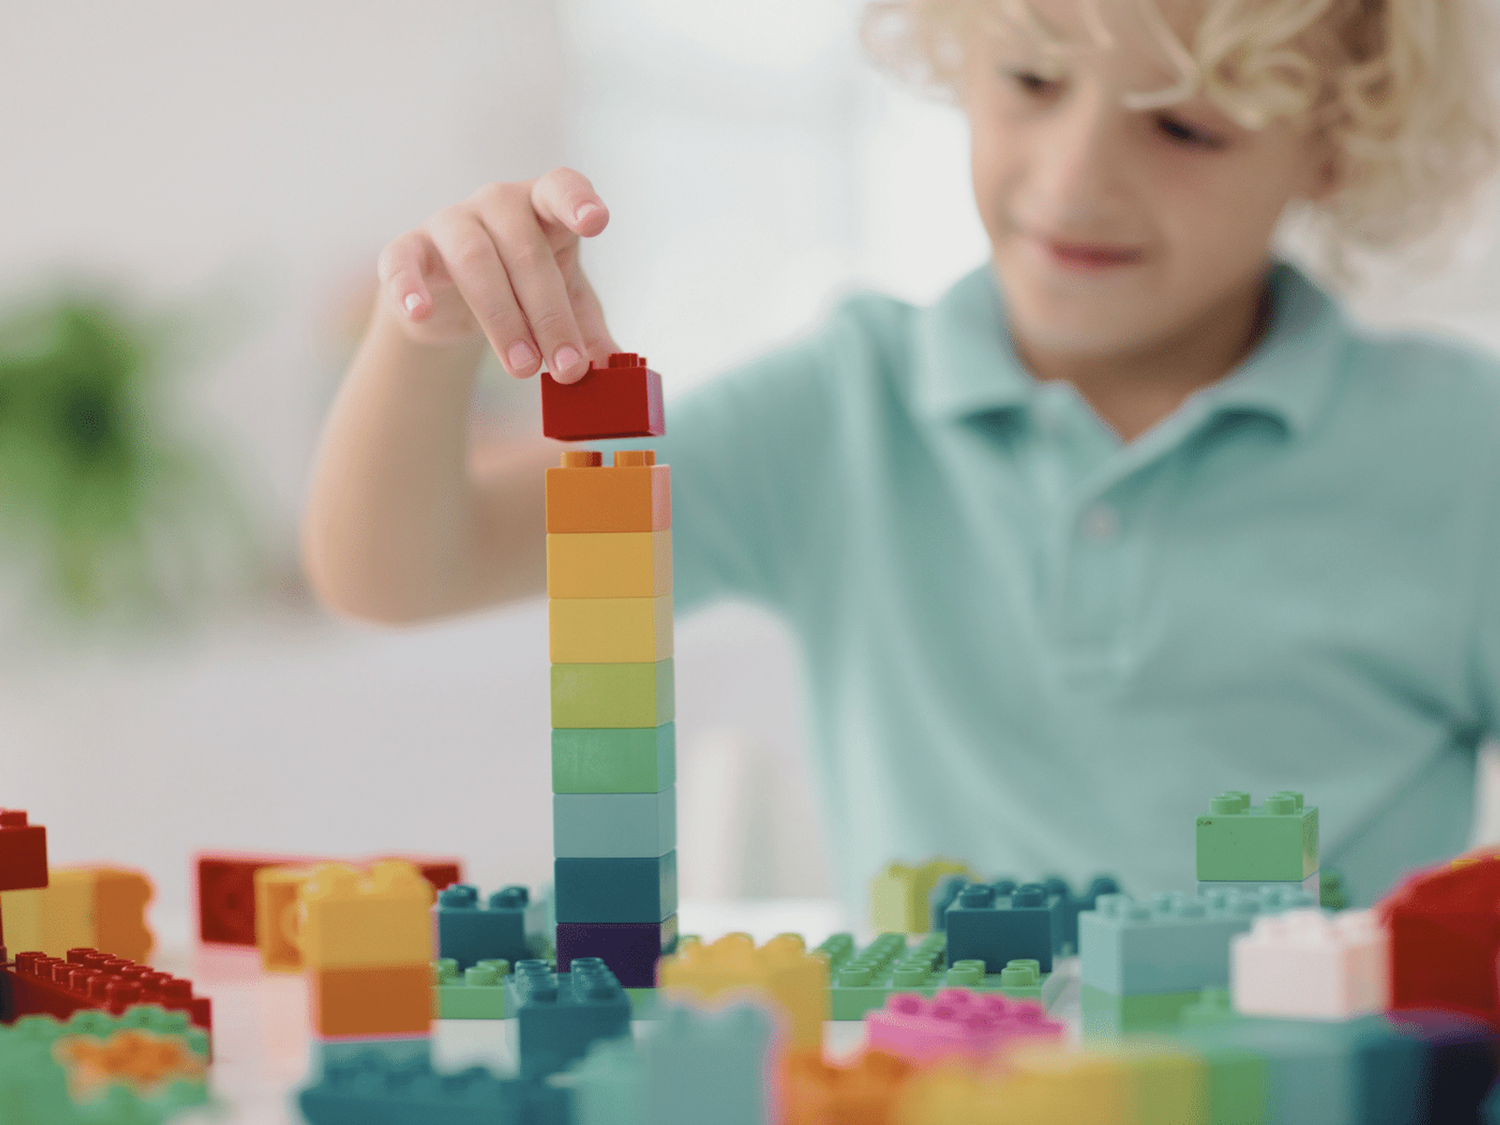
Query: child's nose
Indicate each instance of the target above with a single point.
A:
(1078, 162)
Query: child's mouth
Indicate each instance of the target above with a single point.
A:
(1085, 256)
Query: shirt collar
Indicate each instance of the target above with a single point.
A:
(966, 364)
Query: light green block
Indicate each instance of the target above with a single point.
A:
(479, 994)
(612, 695)
(1108, 1016)
(604, 760)
(1276, 842)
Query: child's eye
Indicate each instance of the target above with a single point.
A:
(1031, 82)
(1186, 134)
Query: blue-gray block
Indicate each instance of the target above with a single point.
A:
(613, 889)
(614, 825)
(469, 932)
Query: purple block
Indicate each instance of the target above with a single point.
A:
(629, 949)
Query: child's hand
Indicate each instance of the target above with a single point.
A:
(504, 263)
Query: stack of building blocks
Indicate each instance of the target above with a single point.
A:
(781, 973)
(1307, 964)
(1444, 924)
(96, 907)
(224, 887)
(900, 892)
(1240, 845)
(863, 979)
(609, 587)
(695, 1066)
(366, 940)
(1026, 924)
(956, 1023)
(87, 979)
(558, 1015)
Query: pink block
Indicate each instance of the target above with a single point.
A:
(956, 1023)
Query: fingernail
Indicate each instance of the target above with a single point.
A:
(412, 301)
(565, 357)
(585, 211)
(520, 356)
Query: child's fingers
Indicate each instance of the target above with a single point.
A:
(473, 261)
(597, 341)
(567, 203)
(401, 270)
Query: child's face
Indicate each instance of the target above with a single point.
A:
(1179, 203)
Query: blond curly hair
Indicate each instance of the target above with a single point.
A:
(1404, 90)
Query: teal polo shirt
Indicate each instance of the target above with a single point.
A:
(1041, 649)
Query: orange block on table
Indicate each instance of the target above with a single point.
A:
(394, 1000)
(634, 494)
(819, 1093)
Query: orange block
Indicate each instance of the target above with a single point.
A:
(393, 1000)
(635, 494)
(863, 1093)
(120, 900)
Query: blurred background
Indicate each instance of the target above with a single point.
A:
(203, 189)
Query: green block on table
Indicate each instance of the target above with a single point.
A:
(612, 695)
(643, 1002)
(1275, 842)
(614, 760)
(1109, 1016)
(861, 980)
(476, 994)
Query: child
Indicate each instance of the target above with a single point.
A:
(1130, 516)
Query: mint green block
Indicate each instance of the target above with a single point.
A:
(477, 994)
(1108, 1016)
(1276, 842)
(612, 695)
(604, 760)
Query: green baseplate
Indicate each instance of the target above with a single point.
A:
(860, 979)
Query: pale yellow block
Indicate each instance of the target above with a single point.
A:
(794, 981)
(21, 919)
(609, 564)
(898, 894)
(1062, 1086)
(352, 919)
(1171, 1083)
(68, 910)
(610, 630)
(277, 917)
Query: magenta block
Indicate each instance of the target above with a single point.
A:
(956, 1023)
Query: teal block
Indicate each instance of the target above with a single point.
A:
(615, 889)
(614, 824)
(609, 1085)
(614, 760)
(708, 1066)
(1276, 842)
(612, 696)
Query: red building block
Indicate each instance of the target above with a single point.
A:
(44, 985)
(1445, 936)
(23, 852)
(226, 888)
(622, 400)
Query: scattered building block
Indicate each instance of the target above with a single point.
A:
(1170, 1082)
(615, 889)
(609, 630)
(1462, 1062)
(1273, 842)
(358, 919)
(370, 1000)
(711, 1066)
(624, 760)
(1109, 1015)
(277, 926)
(630, 949)
(821, 1093)
(559, 1014)
(468, 932)
(119, 911)
(38, 984)
(370, 1090)
(476, 993)
(91, 907)
(955, 1023)
(983, 926)
(899, 893)
(609, 1085)
(782, 972)
(620, 400)
(1037, 1084)
(609, 564)
(612, 695)
(1306, 964)
(634, 494)
(614, 824)
(23, 852)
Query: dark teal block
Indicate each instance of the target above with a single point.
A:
(624, 889)
(996, 929)
(560, 1014)
(469, 932)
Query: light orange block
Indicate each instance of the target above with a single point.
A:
(609, 564)
(634, 494)
(120, 901)
(277, 921)
(782, 972)
(388, 1000)
(351, 918)
(610, 630)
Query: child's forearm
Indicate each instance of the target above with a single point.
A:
(396, 528)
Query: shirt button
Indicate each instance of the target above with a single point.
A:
(1101, 523)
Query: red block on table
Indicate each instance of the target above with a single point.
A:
(1445, 936)
(42, 985)
(23, 852)
(622, 400)
(226, 888)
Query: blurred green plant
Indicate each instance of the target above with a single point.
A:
(110, 513)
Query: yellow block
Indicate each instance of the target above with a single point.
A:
(1171, 1083)
(63, 915)
(21, 919)
(898, 894)
(782, 971)
(353, 919)
(277, 921)
(609, 564)
(68, 910)
(1064, 1086)
(610, 630)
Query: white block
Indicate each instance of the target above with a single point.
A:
(1310, 965)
